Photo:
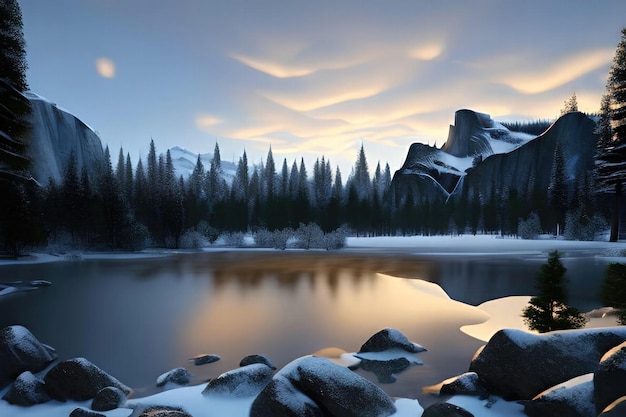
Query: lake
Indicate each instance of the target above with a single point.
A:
(138, 318)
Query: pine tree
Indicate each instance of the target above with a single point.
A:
(611, 155)
(557, 189)
(548, 311)
(570, 105)
(613, 290)
(13, 64)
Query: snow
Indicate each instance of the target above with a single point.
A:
(505, 314)
(488, 408)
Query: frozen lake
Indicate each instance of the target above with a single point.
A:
(137, 318)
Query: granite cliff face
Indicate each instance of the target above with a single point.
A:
(55, 134)
(481, 153)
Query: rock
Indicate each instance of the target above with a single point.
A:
(446, 410)
(465, 384)
(518, 365)
(178, 376)
(250, 359)
(385, 370)
(204, 359)
(245, 381)
(572, 399)
(616, 409)
(160, 411)
(610, 377)
(281, 398)
(108, 398)
(26, 390)
(78, 379)
(390, 339)
(83, 412)
(313, 386)
(20, 351)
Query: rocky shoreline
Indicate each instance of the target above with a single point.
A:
(578, 373)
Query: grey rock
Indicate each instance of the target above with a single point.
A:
(21, 351)
(572, 401)
(246, 381)
(518, 365)
(78, 379)
(26, 390)
(204, 359)
(250, 359)
(160, 411)
(390, 339)
(446, 410)
(83, 412)
(281, 399)
(178, 376)
(108, 398)
(466, 384)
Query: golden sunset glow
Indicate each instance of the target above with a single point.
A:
(105, 67)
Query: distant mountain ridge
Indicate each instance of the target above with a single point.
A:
(185, 161)
(481, 153)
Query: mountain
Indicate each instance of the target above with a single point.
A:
(482, 153)
(55, 133)
(185, 161)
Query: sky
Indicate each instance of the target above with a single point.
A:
(313, 78)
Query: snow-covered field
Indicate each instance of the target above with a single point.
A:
(503, 313)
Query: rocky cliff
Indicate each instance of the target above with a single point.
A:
(54, 135)
(482, 153)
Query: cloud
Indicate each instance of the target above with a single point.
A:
(105, 67)
(541, 79)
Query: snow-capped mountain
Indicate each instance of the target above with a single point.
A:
(482, 153)
(185, 161)
(55, 134)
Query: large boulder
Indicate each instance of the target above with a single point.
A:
(465, 384)
(78, 379)
(610, 377)
(26, 390)
(21, 351)
(108, 398)
(246, 381)
(390, 339)
(518, 365)
(334, 389)
(250, 359)
(572, 399)
(281, 398)
(160, 411)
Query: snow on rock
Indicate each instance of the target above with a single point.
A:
(177, 376)
(26, 390)
(78, 379)
(20, 351)
(610, 377)
(310, 384)
(465, 384)
(572, 399)
(389, 339)
(246, 381)
(519, 365)
(616, 409)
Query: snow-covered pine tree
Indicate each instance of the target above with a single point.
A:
(611, 155)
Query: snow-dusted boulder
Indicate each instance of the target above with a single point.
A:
(21, 351)
(390, 339)
(465, 384)
(250, 359)
(177, 376)
(610, 377)
(335, 390)
(78, 379)
(573, 399)
(246, 381)
(160, 411)
(281, 398)
(26, 390)
(108, 398)
(446, 410)
(519, 365)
